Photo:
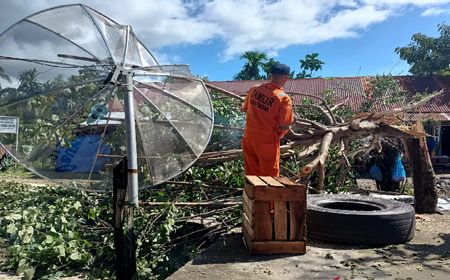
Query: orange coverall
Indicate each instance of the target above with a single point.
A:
(269, 113)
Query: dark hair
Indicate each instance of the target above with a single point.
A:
(280, 69)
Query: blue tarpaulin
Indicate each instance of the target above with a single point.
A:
(81, 155)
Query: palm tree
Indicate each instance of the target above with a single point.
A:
(251, 69)
(4, 76)
(310, 63)
(268, 65)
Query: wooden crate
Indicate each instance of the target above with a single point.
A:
(274, 215)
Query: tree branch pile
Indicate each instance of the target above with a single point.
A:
(317, 137)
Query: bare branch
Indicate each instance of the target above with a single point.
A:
(324, 102)
(212, 204)
(408, 107)
(315, 124)
(318, 108)
(306, 171)
(339, 104)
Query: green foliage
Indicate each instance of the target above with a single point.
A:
(4, 76)
(267, 66)
(252, 68)
(428, 55)
(227, 113)
(227, 174)
(53, 231)
(383, 90)
(259, 63)
(338, 176)
(310, 64)
(7, 163)
(47, 230)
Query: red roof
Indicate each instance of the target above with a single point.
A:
(353, 89)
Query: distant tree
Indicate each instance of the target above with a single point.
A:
(252, 68)
(4, 76)
(29, 83)
(309, 65)
(428, 55)
(266, 66)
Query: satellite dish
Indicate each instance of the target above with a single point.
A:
(63, 74)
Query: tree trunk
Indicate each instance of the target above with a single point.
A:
(425, 193)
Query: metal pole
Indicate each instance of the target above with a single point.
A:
(132, 191)
(17, 137)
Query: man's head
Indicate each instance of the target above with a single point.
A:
(279, 73)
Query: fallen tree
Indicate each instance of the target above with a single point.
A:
(314, 137)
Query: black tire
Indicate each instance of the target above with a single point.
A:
(362, 220)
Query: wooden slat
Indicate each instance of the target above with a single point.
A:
(247, 239)
(249, 215)
(286, 182)
(255, 181)
(248, 210)
(271, 181)
(247, 226)
(249, 202)
(303, 210)
(249, 190)
(278, 247)
(285, 194)
(280, 220)
(295, 225)
(262, 221)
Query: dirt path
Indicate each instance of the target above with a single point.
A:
(427, 256)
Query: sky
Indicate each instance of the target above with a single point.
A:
(352, 37)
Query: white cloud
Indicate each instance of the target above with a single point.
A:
(166, 59)
(419, 3)
(241, 24)
(435, 12)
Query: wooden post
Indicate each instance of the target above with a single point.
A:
(425, 194)
(124, 239)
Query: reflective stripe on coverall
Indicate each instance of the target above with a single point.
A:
(268, 108)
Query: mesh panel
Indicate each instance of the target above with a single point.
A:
(146, 58)
(115, 36)
(29, 41)
(55, 67)
(81, 29)
(54, 139)
(173, 131)
(27, 79)
(133, 57)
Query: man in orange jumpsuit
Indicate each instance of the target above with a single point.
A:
(269, 114)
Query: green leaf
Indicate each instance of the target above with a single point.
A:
(60, 250)
(75, 256)
(15, 216)
(28, 273)
(11, 229)
(77, 205)
(48, 239)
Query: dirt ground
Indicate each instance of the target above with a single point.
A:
(426, 256)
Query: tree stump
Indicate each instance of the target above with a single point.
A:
(425, 193)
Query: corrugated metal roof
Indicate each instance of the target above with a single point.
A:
(353, 89)
(426, 116)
